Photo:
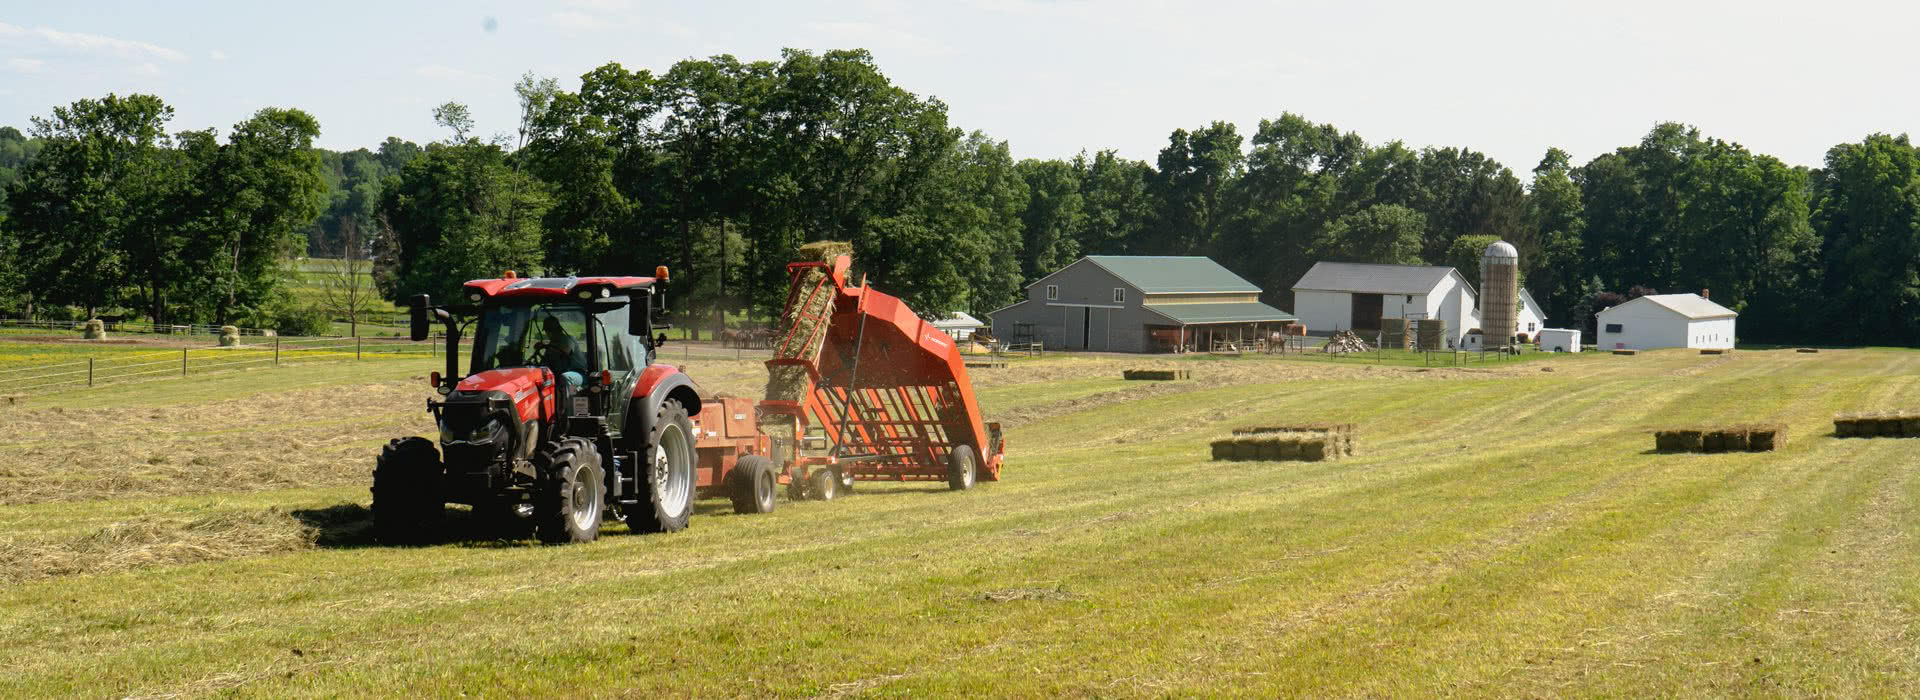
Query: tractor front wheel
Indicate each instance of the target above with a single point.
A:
(571, 495)
(667, 468)
(962, 468)
(406, 492)
(750, 485)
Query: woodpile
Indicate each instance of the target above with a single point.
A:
(1156, 374)
(1345, 342)
(1729, 438)
(1877, 424)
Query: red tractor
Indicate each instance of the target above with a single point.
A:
(563, 414)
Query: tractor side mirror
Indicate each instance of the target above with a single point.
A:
(640, 316)
(417, 312)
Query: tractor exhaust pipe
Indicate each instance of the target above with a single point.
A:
(420, 311)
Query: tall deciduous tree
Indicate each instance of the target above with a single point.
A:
(1867, 211)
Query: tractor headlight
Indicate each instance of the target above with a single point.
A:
(487, 433)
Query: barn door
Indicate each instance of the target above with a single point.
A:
(1366, 311)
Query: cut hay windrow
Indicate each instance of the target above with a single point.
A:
(1277, 447)
(1877, 424)
(1728, 438)
(1156, 374)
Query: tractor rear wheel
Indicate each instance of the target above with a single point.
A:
(406, 492)
(667, 469)
(571, 494)
(824, 485)
(962, 468)
(750, 484)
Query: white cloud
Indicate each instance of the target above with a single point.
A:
(868, 35)
(218, 55)
(10, 30)
(124, 48)
(26, 65)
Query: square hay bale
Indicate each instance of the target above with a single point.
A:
(1806, 350)
(1713, 441)
(1246, 449)
(1910, 425)
(1844, 425)
(1691, 439)
(1269, 448)
(1735, 439)
(1153, 374)
(1624, 352)
(1288, 449)
(1889, 425)
(1668, 441)
(1766, 438)
(1223, 449)
(1313, 450)
(1710, 351)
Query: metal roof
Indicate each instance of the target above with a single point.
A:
(1225, 312)
(958, 319)
(1371, 278)
(1172, 274)
(1692, 306)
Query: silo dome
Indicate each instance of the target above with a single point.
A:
(1503, 251)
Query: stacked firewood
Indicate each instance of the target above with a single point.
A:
(1344, 342)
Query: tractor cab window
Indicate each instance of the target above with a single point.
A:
(532, 335)
(617, 348)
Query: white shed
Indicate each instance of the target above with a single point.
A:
(1531, 321)
(1666, 321)
(1560, 339)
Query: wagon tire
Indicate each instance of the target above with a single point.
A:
(824, 485)
(963, 467)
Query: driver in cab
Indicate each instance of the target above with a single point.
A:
(565, 355)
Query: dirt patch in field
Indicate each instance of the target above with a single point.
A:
(307, 437)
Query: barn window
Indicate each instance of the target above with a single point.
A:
(1119, 295)
(1053, 292)
(1409, 298)
(1613, 328)
(1529, 327)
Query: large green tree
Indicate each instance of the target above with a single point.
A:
(1867, 213)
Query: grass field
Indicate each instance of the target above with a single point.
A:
(1504, 530)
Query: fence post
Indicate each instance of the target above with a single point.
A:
(89, 371)
(356, 347)
(183, 362)
(276, 349)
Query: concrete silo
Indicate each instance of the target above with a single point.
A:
(1499, 295)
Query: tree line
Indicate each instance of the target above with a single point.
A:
(720, 167)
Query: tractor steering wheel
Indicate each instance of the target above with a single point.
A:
(539, 355)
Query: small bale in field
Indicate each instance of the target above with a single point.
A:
(1890, 425)
(1691, 439)
(1844, 425)
(229, 336)
(1713, 441)
(1668, 441)
(1806, 350)
(1223, 449)
(96, 329)
(1246, 449)
(1289, 449)
(1766, 438)
(1734, 439)
(1910, 425)
(1624, 352)
(1272, 448)
(1313, 450)
(1155, 374)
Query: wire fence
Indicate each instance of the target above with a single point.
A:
(128, 327)
(81, 374)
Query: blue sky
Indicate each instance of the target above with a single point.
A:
(1050, 77)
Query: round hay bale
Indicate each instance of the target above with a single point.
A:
(229, 336)
(96, 329)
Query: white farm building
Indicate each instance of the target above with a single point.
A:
(1666, 321)
(1336, 296)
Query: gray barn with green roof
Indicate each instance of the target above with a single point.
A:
(1126, 303)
